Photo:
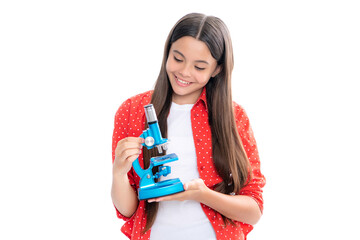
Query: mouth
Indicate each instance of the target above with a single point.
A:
(181, 82)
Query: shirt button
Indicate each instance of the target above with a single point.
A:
(199, 140)
(202, 168)
(214, 217)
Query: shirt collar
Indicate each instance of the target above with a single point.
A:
(202, 98)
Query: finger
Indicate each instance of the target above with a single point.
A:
(127, 145)
(160, 199)
(132, 158)
(125, 152)
(123, 141)
(174, 197)
(194, 184)
(123, 163)
(134, 153)
(135, 139)
(190, 186)
(124, 145)
(130, 152)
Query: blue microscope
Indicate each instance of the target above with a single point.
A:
(148, 187)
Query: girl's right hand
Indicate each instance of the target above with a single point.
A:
(127, 150)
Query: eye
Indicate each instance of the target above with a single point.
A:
(199, 68)
(178, 60)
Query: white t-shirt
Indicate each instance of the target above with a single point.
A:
(178, 220)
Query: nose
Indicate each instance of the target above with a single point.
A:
(185, 71)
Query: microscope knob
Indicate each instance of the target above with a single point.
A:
(149, 141)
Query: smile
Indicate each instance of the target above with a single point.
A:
(181, 82)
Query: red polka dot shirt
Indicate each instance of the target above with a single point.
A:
(130, 122)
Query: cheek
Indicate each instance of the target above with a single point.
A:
(170, 66)
(167, 66)
(203, 78)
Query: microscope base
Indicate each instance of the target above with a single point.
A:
(163, 188)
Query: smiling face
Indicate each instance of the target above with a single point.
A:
(189, 67)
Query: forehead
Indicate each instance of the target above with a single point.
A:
(192, 49)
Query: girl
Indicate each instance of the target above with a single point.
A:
(218, 158)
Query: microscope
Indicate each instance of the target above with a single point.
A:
(148, 187)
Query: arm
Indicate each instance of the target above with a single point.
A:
(247, 205)
(124, 151)
(239, 208)
(123, 195)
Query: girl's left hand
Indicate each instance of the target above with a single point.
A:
(194, 190)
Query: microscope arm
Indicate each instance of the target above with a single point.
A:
(148, 188)
(138, 169)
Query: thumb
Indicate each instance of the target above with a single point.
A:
(192, 185)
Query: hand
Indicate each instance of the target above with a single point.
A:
(194, 190)
(127, 150)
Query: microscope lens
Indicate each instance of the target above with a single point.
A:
(150, 113)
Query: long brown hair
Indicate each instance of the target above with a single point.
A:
(229, 156)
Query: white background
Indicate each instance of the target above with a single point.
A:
(66, 66)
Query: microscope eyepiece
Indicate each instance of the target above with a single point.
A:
(150, 114)
(148, 187)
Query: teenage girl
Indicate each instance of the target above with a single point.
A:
(218, 158)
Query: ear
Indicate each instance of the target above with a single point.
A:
(217, 70)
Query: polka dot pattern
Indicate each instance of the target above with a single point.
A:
(130, 121)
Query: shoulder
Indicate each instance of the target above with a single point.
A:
(134, 104)
(138, 100)
(239, 112)
(130, 115)
(241, 120)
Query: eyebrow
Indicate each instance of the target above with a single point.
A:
(199, 61)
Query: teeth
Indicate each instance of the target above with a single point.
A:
(181, 81)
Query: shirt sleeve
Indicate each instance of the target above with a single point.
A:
(254, 188)
(121, 127)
